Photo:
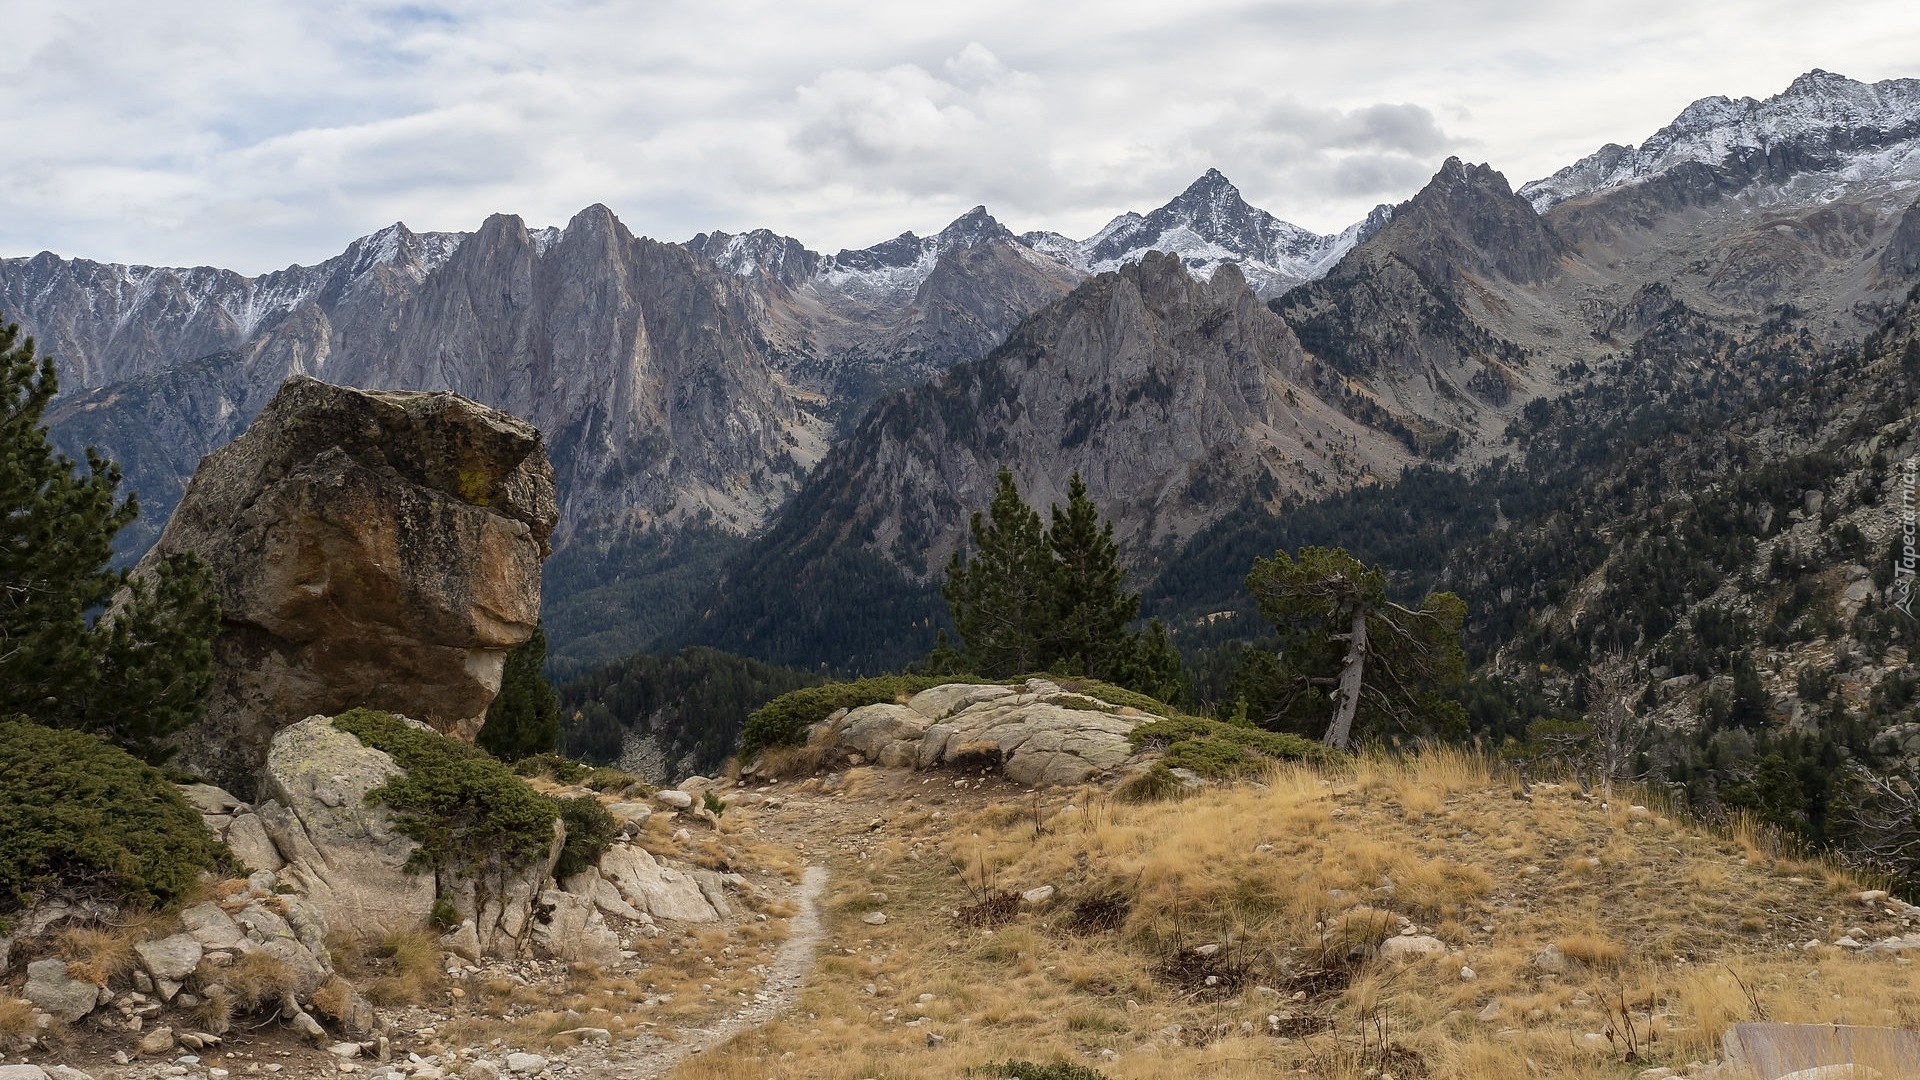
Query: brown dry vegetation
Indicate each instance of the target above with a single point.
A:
(1671, 932)
(16, 1021)
(686, 977)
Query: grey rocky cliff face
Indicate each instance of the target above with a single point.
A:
(642, 361)
(1172, 397)
(679, 384)
(1900, 259)
(368, 549)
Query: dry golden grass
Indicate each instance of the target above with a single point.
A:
(101, 954)
(256, 979)
(401, 968)
(1592, 950)
(686, 978)
(1675, 931)
(16, 1021)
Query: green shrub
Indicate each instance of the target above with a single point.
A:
(565, 770)
(590, 831)
(1118, 696)
(1156, 784)
(616, 781)
(79, 815)
(1027, 1070)
(784, 720)
(1075, 701)
(1222, 750)
(460, 804)
(559, 769)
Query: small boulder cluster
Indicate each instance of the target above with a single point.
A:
(253, 949)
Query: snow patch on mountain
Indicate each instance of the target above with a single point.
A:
(1823, 122)
(1210, 224)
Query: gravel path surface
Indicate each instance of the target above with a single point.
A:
(645, 1058)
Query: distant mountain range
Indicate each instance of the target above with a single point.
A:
(698, 389)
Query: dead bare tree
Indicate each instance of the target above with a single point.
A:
(1885, 815)
(1618, 725)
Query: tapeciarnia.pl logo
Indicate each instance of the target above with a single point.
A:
(1904, 562)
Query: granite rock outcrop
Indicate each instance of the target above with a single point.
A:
(369, 548)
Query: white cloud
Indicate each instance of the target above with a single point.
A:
(251, 133)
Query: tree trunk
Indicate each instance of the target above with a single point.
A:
(1349, 700)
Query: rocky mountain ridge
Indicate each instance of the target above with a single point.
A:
(1429, 337)
(1822, 122)
(696, 382)
(1210, 224)
(700, 384)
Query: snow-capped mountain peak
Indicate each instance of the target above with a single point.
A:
(1821, 122)
(1208, 224)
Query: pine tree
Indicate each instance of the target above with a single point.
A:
(1088, 610)
(135, 671)
(1152, 666)
(524, 718)
(1346, 646)
(999, 596)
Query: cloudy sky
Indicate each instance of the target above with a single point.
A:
(255, 133)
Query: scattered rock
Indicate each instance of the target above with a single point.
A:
(1037, 897)
(463, 942)
(60, 995)
(1551, 959)
(631, 815)
(368, 548)
(1467, 974)
(247, 839)
(1035, 741)
(172, 958)
(306, 969)
(943, 701)
(156, 1042)
(209, 800)
(1414, 947)
(526, 1063)
(678, 800)
(574, 931)
(212, 927)
(23, 1072)
(597, 1036)
(874, 918)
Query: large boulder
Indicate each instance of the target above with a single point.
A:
(54, 991)
(660, 891)
(376, 549)
(574, 931)
(344, 855)
(1037, 734)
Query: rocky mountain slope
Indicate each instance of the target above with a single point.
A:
(1431, 336)
(698, 384)
(1822, 123)
(639, 361)
(678, 383)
